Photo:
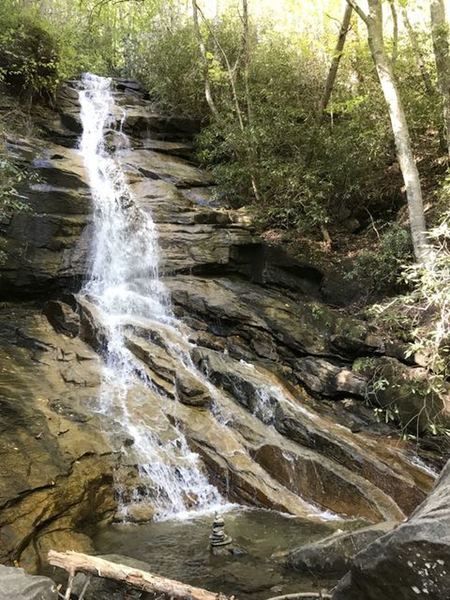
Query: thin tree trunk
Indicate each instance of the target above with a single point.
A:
(230, 69)
(331, 78)
(374, 22)
(247, 57)
(204, 59)
(439, 32)
(426, 78)
(395, 32)
(427, 83)
(234, 94)
(246, 45)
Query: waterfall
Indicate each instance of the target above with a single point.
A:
(124, 285)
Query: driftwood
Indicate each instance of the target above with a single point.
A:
(74, 562)
(303, 595)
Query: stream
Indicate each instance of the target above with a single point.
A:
(179, 550)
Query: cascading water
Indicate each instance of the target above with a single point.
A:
(125, 286)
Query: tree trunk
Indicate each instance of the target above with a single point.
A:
(331, 78)
(439, 32)
(248, 100)
(204, 59)
(374, 22)
(246, 49)
(394, 32)
(74, 562)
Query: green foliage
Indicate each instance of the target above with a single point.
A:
(308, 170)
(11, 177)
(382, 267)
(431, 295)
(166, 62)
(28, 52)
(269, 147)
(45, 42)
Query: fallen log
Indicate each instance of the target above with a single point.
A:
(74, 562)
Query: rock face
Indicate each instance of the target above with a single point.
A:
(410, 562)
(56, 473)
(266, 360)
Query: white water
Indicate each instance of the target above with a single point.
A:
(124, 284)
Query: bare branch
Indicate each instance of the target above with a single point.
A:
(358, 10)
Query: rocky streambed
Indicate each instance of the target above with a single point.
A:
(265, 375)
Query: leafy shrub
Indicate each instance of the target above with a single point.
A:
(382, 267)
(28, 53)
(431, 294)
(166, 61)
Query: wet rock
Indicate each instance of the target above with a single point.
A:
(333, 555)
(143, 122)
(327, 484)
(61, 540)
(62, 317)
(190, 390)
(182, 149)
(57, 465)
(288, 412)
(140, 513)
(410, 562)
(15, 584)
(46, 246)
(162, 166)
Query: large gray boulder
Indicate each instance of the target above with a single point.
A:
(15, 584)
(413, 561)
(333, 554)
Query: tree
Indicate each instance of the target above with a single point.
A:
(374, 22)
(428, 84)
(395, 32)
(439, 33)
(204, 59)
(232, 70)
(331, 78)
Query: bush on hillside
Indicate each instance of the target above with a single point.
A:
(29, 56)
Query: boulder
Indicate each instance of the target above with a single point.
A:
(333, 555)
(140, 512)
(322, 377)
(412, 561)
(16, 584)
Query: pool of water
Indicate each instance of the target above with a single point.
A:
(179, 549)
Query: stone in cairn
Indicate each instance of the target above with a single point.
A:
(219, 540)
